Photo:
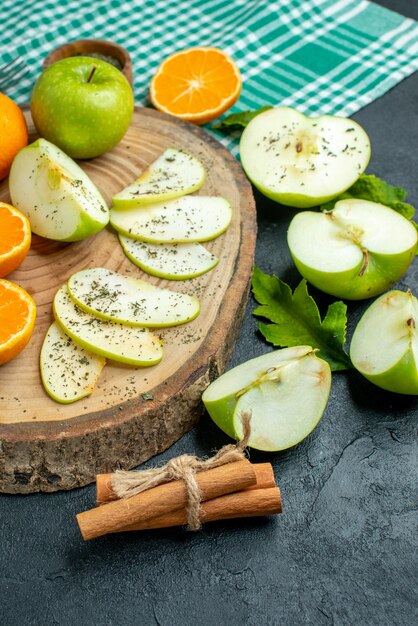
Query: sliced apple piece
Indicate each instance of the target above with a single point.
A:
(126, 344)
(384, 347)
(175, 173)
(58, 198)
(68, 371)
(183, 220)
(128, 300)
(355, 251)
(285, 392)
(301, 161)
(176, 261)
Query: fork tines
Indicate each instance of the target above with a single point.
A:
(12, 72)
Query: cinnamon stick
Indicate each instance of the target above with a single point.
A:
(164, 499)
(104, 491)
(247, 503)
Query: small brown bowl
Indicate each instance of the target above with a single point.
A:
(89, 46)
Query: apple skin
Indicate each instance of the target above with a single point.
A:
(401, 378)
(84, 118)
(381, 272)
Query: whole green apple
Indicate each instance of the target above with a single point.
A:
(82, 105)
(384, 347)
(356, 251)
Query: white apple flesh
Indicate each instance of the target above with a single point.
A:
(182, 220)
(384, 347)
(356, 251)
(56, 195)
(126, 344)
(301, 161)
(177, 261)
(68, 371)
(109, 295)
(285, 392)
(175, 173)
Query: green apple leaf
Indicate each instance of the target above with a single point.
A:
(374, 189)
(296, 320)
(238, 120)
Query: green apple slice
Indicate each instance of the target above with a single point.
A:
(384, 347)
(126, 344)
(111, 296)
(176, 261)
(175, 173)
(183, 220)
(301, 161)
(355, 251)
(68, 371)
(285, 392)
(54, 193)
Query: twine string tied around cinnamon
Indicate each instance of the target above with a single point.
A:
(129, 483)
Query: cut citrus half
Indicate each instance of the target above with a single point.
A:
(17, 319)
(15, 237)
(196, 84)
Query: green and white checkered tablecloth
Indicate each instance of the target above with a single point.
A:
(321, 56)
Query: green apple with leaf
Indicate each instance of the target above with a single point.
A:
(83, 105)
(301, 161)
(384, 347)
(285, 393)
(55, 194)
(356, 251)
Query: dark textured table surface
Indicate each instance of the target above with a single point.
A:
(344, 550)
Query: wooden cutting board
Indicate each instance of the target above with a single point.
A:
(46, 446)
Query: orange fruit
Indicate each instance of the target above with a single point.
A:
(15, 237)
(17, 319)
(13, 133)
(196, 84)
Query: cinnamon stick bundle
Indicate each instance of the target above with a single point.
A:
(165, 498)
(105, 493)
(247, 503)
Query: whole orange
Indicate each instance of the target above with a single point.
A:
(13, 133)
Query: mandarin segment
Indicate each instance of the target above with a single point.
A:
(196, 84)
(15, 238)
(17, 319)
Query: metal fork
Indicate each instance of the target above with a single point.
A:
(12, 72)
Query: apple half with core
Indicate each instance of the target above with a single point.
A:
(285, 392)
(126, 344)
(301, 161)
(356, 251)
(68, 371)
(56, 195)
(175, 173)
(112, 296)
(83, 105)
(384, 347)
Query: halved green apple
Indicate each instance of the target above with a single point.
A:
(111, 296)
(355, 251)
(183, 220)
(175, 173)
(285, 392)
(126, 344)
(384, 347)
(301, 161)
(176, 261)
(68, 371)
(55, 194)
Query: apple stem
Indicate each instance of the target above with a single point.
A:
(365, 263)
(91, 73)
(299, 146)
